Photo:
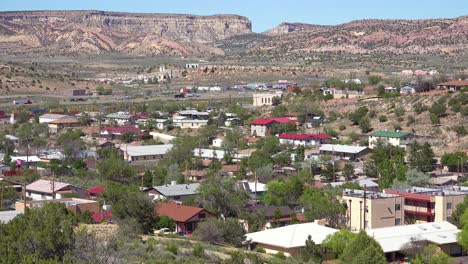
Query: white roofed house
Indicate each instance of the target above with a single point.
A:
(395, 240)
(189, 123)
(46, 190)
(120, 119)
(345, 151)
(46, 118)
(288, 239)
(143, 154)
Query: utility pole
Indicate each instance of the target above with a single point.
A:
(365, 206)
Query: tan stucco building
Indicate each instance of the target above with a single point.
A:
(367, 210)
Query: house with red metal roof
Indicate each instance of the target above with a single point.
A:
(112, 132)
(186, 217)
(303, 139)
(261, 127)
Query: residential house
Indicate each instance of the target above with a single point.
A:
(261, 127)
(424, 205)
(366, 209)
(120, 119)
(189, 123)
(26, 161)
(47, 190)
(339, 94)
(388, 137)
(56, 126)
(217, 154)
(186, 217)
(407, 89)
(370, 184)
(288, 239)
(174, 192)
(255, 189)
(218, 142)
(344, 151)
(395, 240)
(148, 153)
(453, 85)
(304, 139)
(13, 139)
(192, 114)
(390, 90)
(285, 216)
(117, 132)
(195, 175)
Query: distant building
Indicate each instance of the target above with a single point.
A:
(407, 89)
(148, 153)
(366, 210)
(77, 92)
(115, 132)
(193, 114)
(344, 151)
(174, 192)
(391, 90)
(264, 99)
(189, 123)
(57, 126)
(304, 139)
(46, 118)
(388, 137)
(192, 65)
(453, 85)
(121, 119)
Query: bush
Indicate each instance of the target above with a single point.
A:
(410, 120)
(280, 255)
(260, 250)
(419, 108)
(342, 127)
(435, 119)
(399, 111)
(198, 251)
(397, 126)
(172, 247)
(383, 118)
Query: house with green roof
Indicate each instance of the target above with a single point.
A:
(394, 138)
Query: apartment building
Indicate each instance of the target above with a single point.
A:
(424, 205)
(367, 210)
(388, 137)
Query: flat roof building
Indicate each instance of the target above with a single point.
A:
(366, 210)
(145, 153)
(343, 150)
(388, 137)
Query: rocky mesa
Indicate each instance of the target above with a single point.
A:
(93, 32)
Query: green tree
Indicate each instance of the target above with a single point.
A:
(363, 249)
(164, 222)
(420, 157)
(116, 169)
(374, 79)
(365, 125)
(220, 196)
(311, 252)
(457, 215)
(41, 234)
(300, 156)
(279, 111)
(322, 204)
(71, 143)
(284, 192)
(348, 171)
(217, 231)
(129, 205)
(383, 118)
(357, 115)
(431, 254)
(337, 242)
(454, 160)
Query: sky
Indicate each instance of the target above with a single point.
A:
(264, 14)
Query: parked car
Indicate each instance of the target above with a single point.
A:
(164, 230)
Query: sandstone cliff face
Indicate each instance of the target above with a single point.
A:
(373, 36)
(285, 28)
(98, 31)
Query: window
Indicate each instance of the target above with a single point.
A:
(449, 205)
(202, 215)
(397, 221)
(397, 207)
(449, 219)
(176, 197)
